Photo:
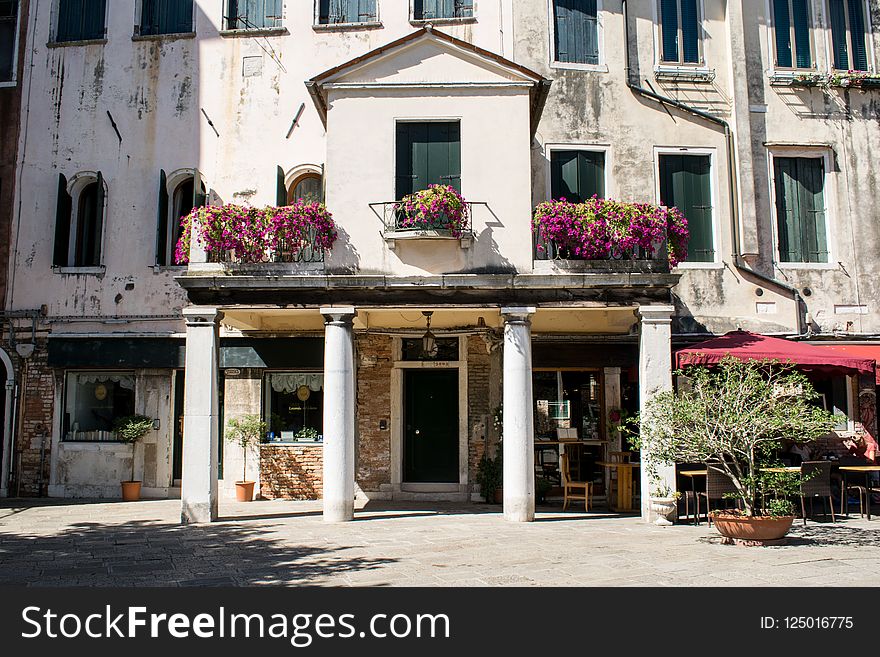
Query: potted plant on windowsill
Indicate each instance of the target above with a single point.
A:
(438, 208)
(130, 429)
(246, 432)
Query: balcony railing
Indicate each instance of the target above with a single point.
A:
(635, 258)
(397, 226)
(305, 251)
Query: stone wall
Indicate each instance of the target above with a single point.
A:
(291, 472)
(373, 445)
(481, 379)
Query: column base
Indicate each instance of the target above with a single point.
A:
(338, 511)
(519, 510)
(194, 513)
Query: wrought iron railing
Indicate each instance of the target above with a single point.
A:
(303, 251)
(550, 250)
(395, 220)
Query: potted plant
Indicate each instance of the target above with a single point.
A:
(246, 432)
(664, 502)
(735, 417)
(130, 429)
(489, 473)
(542, 487)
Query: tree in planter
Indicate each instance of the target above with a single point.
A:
(489, 474)
(246, 431)
(735, 416)
(130, 429)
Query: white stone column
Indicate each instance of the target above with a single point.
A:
(339, 413)
(655, 376)
(201, 431)
(518, 416)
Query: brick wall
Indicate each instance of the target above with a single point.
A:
(291, 472)
(373, 445)
(38, 408)
(480, 411)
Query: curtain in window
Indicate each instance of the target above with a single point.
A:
(291, 381)
(122, 380)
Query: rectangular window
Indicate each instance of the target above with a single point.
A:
(346, 11)
(791, 26)
(93, 401)
(80, 20)
(8, 39)
(427, 154)
(294, 403)
(166, 16)
(800, 209)
(253, 14)
(577, 175)
(430, 9)
(576, 31)
(680, 32)
(685, 183)
(849, 34)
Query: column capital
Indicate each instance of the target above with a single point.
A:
(202, 315)
(517, 314)
(338, 314)
(656, 314)
(612, 371)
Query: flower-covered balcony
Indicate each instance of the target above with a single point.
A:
(436, 213)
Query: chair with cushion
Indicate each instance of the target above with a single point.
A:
(718, 484)
(574, 490)
(816, 482)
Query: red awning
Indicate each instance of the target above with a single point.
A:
(753, 346)
(871, 351)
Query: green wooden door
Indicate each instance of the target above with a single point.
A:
(428, 154)
(430, 420)
(685, 183)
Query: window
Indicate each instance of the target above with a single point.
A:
(800, 209)
(834, 397)
(680, 32)
(79, 222)
(93, 401)
(430, 9)
(307, 187)
(172, 208)
(791, 25)
(253, 14)
(80, 20)
(576, 31)
(428, 154)
(166, 17)
(346, 11)
(686, 184)
(577, 175)
(294, 406)
(444, 349)
(8, 39)
(849, 34)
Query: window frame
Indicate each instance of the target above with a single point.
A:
(601, 66)
(266, 404)
(138, 22)
(376, 22)
(812, 24)
(717, 262)
(830, 205)
(13, 80)
(662, 65)
(869, 38)
(224, 20)
(56, 17)
(398, 120)
(173, 182)
(604, 148)
(447, 20)
(75, 187)
(64, 430)
(305, 175)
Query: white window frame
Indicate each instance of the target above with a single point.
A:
(439, 21)
(13, 81)
(776, 71)
(602, 66)
(604, 148)
(75, 186)
(830, 203)
(829, 41)
(317, 25)
(700, 68)
(717, 262)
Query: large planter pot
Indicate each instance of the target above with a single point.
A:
(499, 496)
(665, 509)
(244, 491)
(131, 491)
(757, 530)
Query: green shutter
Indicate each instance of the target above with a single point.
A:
(162, 228)
(690, 32)
(577, 175)
(366, 11)
(800, 209)
(280, 187)
(811, 174)
(801, 19)
(787, 210)
(782, 32)
(576, 31)
(199, 194)
(98, 225)
(63, 208)
(837, 12)
(858, 35)
(669, 29)
(685, 183)
(427, 154)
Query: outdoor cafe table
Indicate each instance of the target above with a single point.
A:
(787, 468)
(856, 468)
(692, 475)
(623, 502)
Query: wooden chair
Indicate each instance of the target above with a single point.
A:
(816, 482)
(570, 488)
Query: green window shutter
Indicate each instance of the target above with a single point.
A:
(837, 14)
(97, 232)
(162, 221)
(788, 211)
(576, 31)
(858, 35)
(669, 29)
(366, 11)
(63, 208)
(690, 32)
(80, 20)
(93, 19)
(463, 8)
(811, 184)
(782, 32)
(801, 19)
(577, 175)
(427, 154)
(685, 183)
(200, 197)
(280, 187)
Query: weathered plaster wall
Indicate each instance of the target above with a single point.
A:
(243, 395)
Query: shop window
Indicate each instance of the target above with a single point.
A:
(680, 32)
(79, 223)
(685, 183)
(791, 28)
(8, 39)
(93, 402)
(166, 17)
(849, 34)
(577, 175)
(80, 20)
(432, 9)
(332, 12)
(173, 205)
(800, 209)
(428, 154)
(294, 406)
(253, 14)
(576, 31)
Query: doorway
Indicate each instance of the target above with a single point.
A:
(431, 426)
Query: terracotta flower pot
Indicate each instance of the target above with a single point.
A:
(244, 491)
(499, 495)
(131, 491)
(756, 530)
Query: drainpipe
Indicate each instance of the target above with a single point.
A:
(736, 256)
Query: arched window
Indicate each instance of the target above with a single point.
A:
(307, 187)
(79, 221)
(177, 198)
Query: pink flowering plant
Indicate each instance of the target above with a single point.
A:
(599, 229)
(440, 207)
(257, 234)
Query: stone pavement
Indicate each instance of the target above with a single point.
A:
(59, 543)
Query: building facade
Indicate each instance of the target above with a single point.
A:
(397, 348)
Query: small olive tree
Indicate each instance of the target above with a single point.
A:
(246, 432)
(735, 416)
(130, 429)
